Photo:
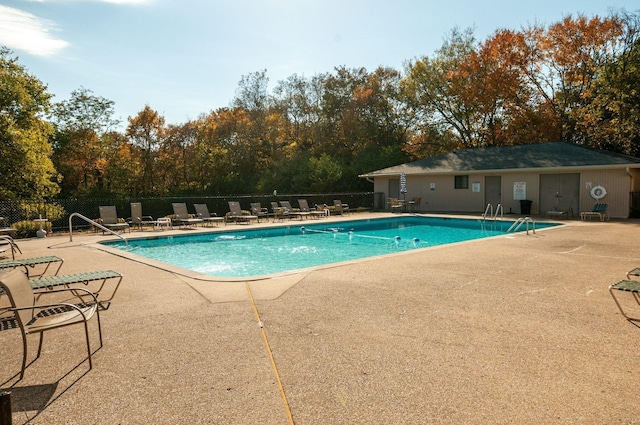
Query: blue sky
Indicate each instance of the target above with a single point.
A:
(184, 58)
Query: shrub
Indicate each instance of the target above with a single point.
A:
(28, 228)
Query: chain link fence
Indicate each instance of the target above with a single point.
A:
(21, 213)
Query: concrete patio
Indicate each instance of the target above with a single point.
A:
(516, 329)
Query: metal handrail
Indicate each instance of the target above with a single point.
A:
(489, 210)
(499, 209)
(519, 222)
(88, 220)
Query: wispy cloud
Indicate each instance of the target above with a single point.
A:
(20, 30)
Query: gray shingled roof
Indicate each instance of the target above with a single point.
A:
(536, 156)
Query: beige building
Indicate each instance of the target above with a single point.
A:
(549, 176)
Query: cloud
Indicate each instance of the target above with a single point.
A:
(23, 31)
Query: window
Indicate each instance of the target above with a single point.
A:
(461, 182)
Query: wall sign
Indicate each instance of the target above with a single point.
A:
(519, 190)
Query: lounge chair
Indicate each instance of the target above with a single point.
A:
(182, 215)
(29, 264)
(631, 286)
(304, 208)
(8, 244)
(97, 279)
(40, 318)
(235, 214)
(202, 211)
(279, 213)
(560, 213)
(11, 231)
(8, 231)
(258, 211)
(139, 220)
(414, 204)
(109, 217)
(340, 208)
(598, 210)
(293, 213)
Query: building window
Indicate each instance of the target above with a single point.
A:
(461, 182)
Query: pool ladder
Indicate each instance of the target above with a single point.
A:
(523, 221)
(489, 212)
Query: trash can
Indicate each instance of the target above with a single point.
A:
(525, 206)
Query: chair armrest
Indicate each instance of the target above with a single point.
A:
(40, 292)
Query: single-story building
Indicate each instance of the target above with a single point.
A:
(553, 176)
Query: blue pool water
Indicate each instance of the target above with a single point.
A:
(258, 252)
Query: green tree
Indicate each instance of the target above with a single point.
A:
(79, 143)
(26, 169)
(325, 173)
(612, 120)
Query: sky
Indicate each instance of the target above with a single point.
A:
(185, 58)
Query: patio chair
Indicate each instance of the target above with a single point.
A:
(630, 286)
(96, 278)
(340, 208)
(7, 244)
(304, 208)
(139, 220)
(395, 205)
(109, 217)
(7, 230)
(182, 215)
(34, 318)
(415, 204)
(560, 212)
(29, 264)
(235, 214)
(598, 210)
(293, 213)
(279, 213)
(202, 211)
(258, 211)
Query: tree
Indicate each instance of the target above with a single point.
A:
(26, 170)
(79, 143)
(611, 121)
(146, 132)
(562, 63)
(435, 90)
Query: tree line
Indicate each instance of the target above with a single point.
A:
(576, 80)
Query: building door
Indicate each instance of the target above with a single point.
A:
(560, 192)
(394, 188)
(493, 191)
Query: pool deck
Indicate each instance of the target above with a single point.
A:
(513, 329)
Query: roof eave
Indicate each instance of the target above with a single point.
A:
(505, 170)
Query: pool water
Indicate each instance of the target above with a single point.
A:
(259, 252)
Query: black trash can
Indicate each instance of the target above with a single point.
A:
(525, 206)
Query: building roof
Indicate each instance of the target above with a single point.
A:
(538, 157)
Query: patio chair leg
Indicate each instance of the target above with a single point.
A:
(40, 345)
(24, 355)
(86, 333)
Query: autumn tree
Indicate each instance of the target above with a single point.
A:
(26, 169)
(434, 89)
(79, 145)
(563, 63)
(146, 133)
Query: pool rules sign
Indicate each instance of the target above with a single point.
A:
(519, 190)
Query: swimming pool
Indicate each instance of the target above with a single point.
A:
(257, 252)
